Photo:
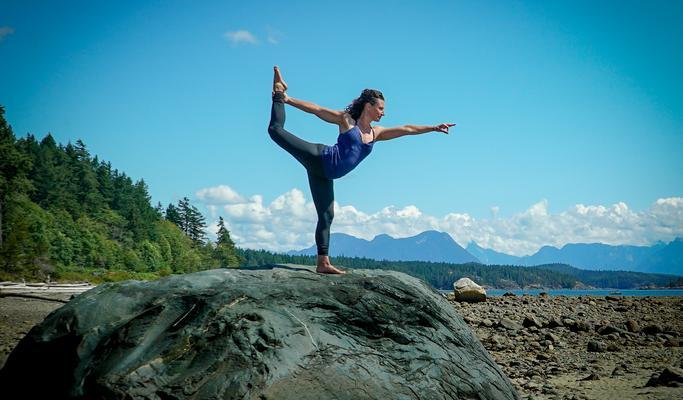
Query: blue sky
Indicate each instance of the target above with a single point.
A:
(559, 105)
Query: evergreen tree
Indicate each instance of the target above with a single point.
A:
(44, 173)
(196, 225)
(172, 215)
(105, 182)
(225, 252)
(223, 234)
(183, 212)
(89, 196)
(63, 211)
(14, 168)
(143, 214)
(192, 222)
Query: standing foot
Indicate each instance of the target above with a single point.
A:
(324, 266)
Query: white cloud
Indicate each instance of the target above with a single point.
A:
(288, 222)
(221, 194)
(273, 36)
(5, 31)
(241, 36)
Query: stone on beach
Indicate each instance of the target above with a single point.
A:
(280, 332)
(670, 376)
(466, 290)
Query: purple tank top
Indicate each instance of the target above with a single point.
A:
(343, 157)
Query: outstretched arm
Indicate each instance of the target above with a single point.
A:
(393, 133)
(327, 115)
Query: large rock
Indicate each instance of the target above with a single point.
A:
(275, 332)
(465, 289)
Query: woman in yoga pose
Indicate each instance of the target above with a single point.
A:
(326, 163)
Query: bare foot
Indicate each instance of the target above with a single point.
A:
(279, 84)
(324, 266)
(328, 269)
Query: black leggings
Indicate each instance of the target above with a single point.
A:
(309, 155)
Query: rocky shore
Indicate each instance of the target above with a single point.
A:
(19, 315)
(564, 347)
(550, 347)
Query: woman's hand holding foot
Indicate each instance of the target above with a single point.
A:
(277, 79)
(279, 84)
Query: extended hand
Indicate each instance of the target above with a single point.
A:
(443, 128)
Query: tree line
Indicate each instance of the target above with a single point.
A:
(442, 275)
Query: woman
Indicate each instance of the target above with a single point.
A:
(326, 163)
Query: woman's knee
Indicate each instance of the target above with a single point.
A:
(274, 130)
(328, 215)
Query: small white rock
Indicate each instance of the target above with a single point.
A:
(466, 290)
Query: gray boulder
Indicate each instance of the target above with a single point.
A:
(273, 332)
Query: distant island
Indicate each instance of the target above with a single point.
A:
(442, 275)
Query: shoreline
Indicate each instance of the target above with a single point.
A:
(540, 343)
(673, 292)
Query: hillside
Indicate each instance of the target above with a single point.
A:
(67, 215)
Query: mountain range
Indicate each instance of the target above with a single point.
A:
(426, 246)
(440, 247)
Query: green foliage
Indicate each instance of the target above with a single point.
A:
(64, 213)
(225, 252)
(27, 241)
(188, 218)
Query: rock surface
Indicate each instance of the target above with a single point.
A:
(465, 289)
(277, 332)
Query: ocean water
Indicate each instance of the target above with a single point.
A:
(592, 292)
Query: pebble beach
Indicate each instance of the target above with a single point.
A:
(565, 347)
(551, 347)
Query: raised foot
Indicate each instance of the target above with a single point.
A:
(279, 84)
(328, 269)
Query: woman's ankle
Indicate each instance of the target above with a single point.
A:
(323, 259)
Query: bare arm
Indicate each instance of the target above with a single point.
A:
(396, 132)
(327, 115)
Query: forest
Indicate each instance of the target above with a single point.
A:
(67, 215)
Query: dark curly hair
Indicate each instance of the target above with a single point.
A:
(367, 96)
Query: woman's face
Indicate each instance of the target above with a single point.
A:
(375, 111)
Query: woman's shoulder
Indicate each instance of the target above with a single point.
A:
(347, 123)
(347, 118)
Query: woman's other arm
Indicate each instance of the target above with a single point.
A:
(327, 115)
(382, 133)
